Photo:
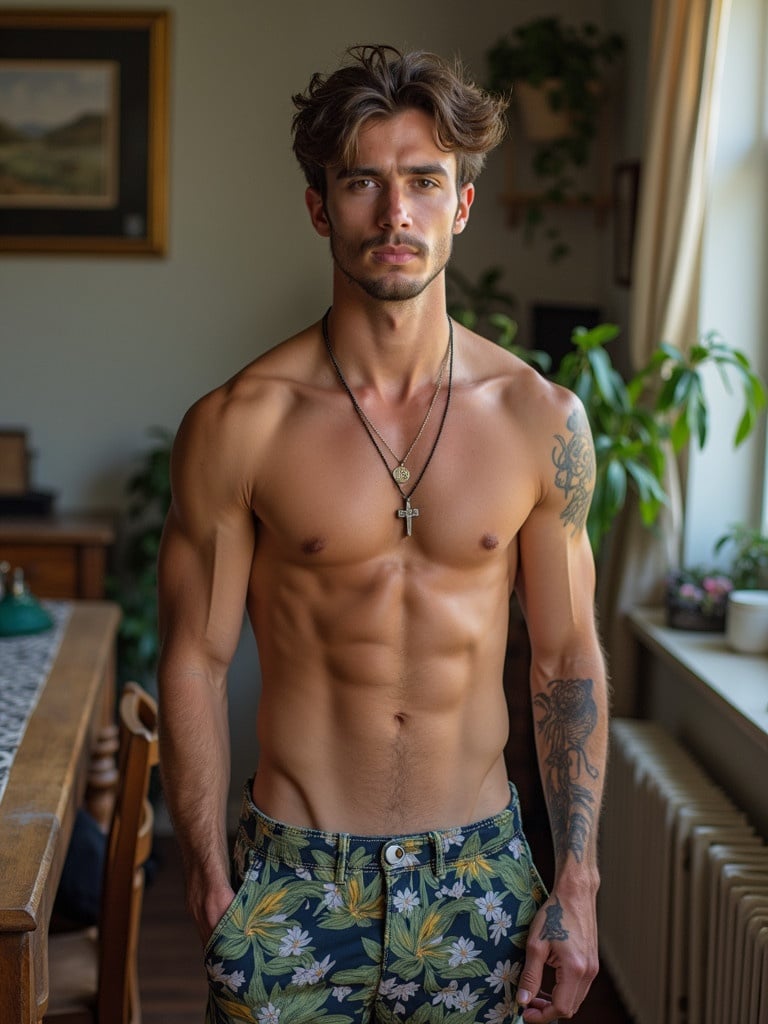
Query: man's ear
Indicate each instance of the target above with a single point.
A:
(318, 216)
(466, 198)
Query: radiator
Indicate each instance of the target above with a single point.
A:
(683, 906)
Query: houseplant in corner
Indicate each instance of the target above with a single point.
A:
(556, 75)
(636, 424)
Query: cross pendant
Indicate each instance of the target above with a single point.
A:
(407, 514)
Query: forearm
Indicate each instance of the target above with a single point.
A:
(570, 705)
(571, 738)
(195, 769)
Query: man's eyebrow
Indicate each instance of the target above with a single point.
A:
(375, 172)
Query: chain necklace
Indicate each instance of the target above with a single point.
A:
(406, 512)
(401, 473)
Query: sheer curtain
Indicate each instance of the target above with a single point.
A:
(686, 47)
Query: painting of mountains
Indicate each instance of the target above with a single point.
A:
(58, 133)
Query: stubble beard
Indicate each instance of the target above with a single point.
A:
(392, 286)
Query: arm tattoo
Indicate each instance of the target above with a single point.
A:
(570, 716)
(553, 926)
(574, 461)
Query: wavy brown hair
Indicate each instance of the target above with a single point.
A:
(379, 82)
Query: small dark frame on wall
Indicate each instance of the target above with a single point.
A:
(626, 182)
(83, 131)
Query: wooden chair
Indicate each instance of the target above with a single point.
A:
(93, 972)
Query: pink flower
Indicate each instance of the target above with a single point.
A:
(717, 586)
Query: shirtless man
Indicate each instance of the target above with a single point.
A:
(372, 490)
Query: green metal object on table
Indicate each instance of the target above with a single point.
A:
(20, 613)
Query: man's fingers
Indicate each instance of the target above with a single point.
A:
(540, 1010)
(529, 983)
(562, 1004)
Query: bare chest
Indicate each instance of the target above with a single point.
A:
(326, 493)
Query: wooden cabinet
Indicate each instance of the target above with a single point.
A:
(64, 557)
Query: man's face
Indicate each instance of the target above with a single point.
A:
(391, 218)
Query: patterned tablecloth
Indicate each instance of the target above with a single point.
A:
(25, 662)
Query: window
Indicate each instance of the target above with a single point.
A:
(726, 486)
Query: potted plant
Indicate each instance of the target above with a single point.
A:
(555, 73)
(749, 558)
(697, 599)
(636, 423)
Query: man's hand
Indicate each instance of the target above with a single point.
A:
(564, 936)
(210, 911)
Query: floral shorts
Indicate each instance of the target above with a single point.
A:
(339, 928)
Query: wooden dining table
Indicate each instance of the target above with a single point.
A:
(66, 758)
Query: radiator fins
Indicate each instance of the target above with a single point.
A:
(683, 906)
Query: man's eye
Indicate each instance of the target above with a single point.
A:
(426, 183)
(362, 183)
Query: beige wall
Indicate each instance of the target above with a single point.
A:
(95, 350)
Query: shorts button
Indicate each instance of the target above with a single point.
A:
(393, 853)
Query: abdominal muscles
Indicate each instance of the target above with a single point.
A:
(382, 707)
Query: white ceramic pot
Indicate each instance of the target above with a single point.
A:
(746, 621)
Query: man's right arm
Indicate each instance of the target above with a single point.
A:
(203, 573)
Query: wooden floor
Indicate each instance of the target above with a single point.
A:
(171, 975)
(173, 985)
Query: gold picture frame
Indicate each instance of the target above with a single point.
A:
(84, 131)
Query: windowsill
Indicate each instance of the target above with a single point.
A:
(737, 684)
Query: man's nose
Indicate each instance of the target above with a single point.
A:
(394, 212)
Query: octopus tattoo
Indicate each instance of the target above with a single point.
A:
(569, 718)
(574, 460)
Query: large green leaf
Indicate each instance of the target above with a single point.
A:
(594, 337)
(609, 384)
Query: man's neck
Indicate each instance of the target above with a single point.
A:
(390, 345)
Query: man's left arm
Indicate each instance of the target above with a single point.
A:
(555, 585)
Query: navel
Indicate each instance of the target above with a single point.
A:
(313, 545)
(490, 541)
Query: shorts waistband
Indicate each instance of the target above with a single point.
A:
(308, 849)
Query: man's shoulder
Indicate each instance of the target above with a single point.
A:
(262, 387)
(233, 422)
(526, 391)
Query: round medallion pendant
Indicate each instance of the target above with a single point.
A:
(401, 474)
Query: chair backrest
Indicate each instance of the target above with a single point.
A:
(128, 847)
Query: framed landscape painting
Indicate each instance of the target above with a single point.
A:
(83, 131)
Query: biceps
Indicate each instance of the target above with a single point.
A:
(202, 587)
(556, 581)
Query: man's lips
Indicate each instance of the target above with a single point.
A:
(394, 254)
